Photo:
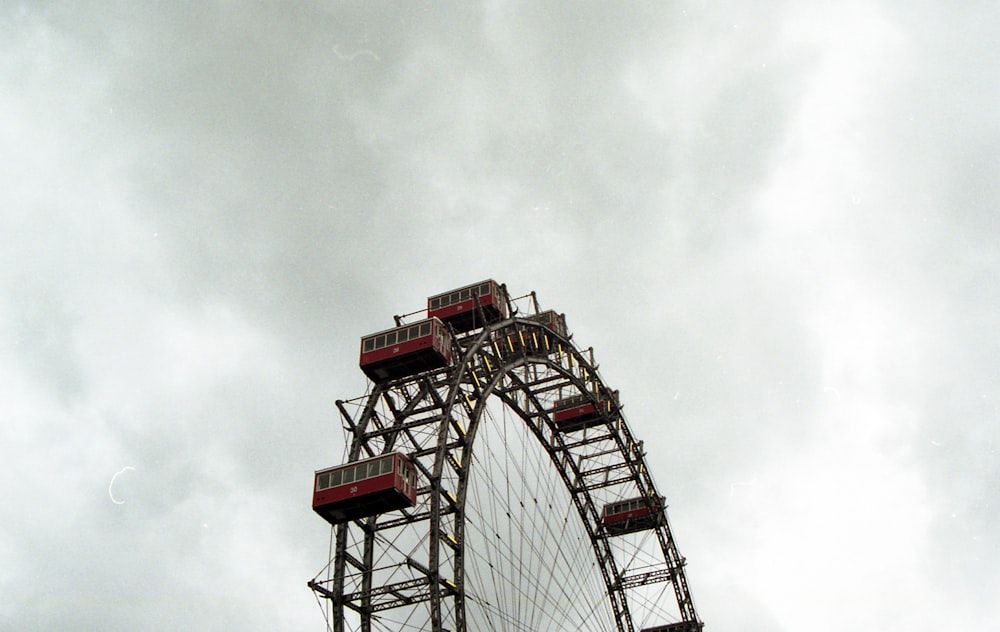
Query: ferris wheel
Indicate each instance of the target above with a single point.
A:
(491, 482)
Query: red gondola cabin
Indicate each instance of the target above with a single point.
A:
(634, 514)
(553, 320)
(680, 626)
(365, 488)
(534, 341)
(406, 350)
(579, 411)
(459, 307)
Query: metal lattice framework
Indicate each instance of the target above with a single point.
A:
(415, 559)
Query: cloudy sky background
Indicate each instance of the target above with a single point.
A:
(775, 222)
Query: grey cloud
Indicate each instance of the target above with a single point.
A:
(209, 203)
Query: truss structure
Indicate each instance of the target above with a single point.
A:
(416, 558)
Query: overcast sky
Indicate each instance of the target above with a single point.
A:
(775, 222)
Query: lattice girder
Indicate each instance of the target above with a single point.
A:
(433, 418)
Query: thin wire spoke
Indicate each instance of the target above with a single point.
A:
(533, 567)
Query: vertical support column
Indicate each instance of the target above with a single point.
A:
(366, 579)
(338, 578)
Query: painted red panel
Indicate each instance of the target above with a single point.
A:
(642, 512)
(567, 414)
(444, 313)
(401, 349)
(680, 626)
(353, 490)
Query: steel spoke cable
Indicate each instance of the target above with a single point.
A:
(543, 533)
(539, 532)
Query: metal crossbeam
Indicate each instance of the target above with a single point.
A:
(431, 416)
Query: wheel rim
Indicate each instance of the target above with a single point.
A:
(414, 563)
